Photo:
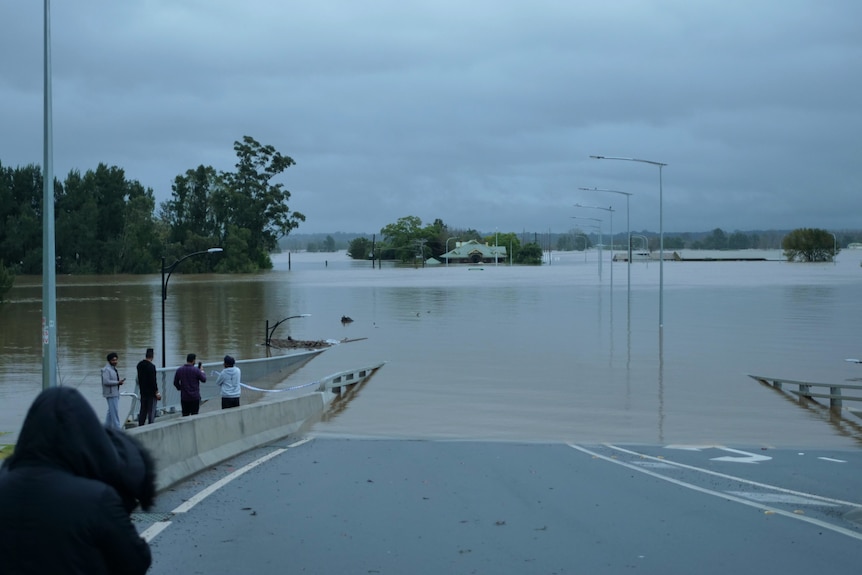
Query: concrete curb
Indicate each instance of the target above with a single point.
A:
(183, 447)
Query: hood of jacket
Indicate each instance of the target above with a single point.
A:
(62, 431)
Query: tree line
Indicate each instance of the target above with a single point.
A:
(106, 223)
(408, 240)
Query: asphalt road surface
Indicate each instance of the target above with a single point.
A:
(342, 506)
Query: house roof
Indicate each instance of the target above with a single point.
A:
(466, 249)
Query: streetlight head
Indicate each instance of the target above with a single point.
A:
(598, 157)
(214, 250)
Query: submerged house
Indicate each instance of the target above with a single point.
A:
(473, 252)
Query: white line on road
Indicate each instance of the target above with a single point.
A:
(150, 532)
(726, 496)
(740, 479)
(832, 460)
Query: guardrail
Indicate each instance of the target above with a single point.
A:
(259, 370)
(184, 446)
(835, 395)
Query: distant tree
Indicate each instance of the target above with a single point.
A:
(510, 241)
(255, 203)
(567, 243)
(674, 243)
(207, 208)
(21, 224)
(198, 205)
(809, 245)
(328, 244)
(739, 241)
(7, 279)
(142, 241)
(359, 248)
(400, 238)
(530, 254)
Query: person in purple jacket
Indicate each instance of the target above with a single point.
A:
(188, 380)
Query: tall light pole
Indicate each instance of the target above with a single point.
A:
(447, 248)
(586, 241)
(169, 270)
(660, 229)
(49, 260)
(834, 247)
(609, 209)
(601, 241)
(628, 230)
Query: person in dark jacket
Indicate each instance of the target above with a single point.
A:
(148, 386)
(67, 492)
(188, 380)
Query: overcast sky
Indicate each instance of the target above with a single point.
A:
(482, 113)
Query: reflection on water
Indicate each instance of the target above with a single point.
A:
(516, 353)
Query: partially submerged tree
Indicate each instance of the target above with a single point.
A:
(7, 279)
(809, 245)
(359, 248)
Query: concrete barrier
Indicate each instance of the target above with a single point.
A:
(185, 446)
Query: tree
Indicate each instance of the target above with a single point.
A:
(7, 279)
(400, 238)
(243, 207)
(197, 205)
(510, 241)
(530, 254)
(359, 248)
(809, 245)
(21, 229)
(257, 204)
(329, 244)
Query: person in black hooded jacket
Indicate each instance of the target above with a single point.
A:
(67, 492)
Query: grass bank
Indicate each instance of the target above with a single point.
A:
(5, 450)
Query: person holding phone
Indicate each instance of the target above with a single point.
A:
(111, 383)
(188, 380)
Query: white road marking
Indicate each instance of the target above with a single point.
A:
(746, 456)
(153, 530)
(725, 496)
(779, 498)
(739, 479)
(832, 460)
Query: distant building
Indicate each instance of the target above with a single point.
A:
(473, 252)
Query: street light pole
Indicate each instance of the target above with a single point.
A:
(447, 248)
(49, 244)
(628, 230)
(601, 241)
(609, 209)
(660, 229)
(169, 270)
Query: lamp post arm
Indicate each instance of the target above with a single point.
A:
(654, 163)
(170, 269)
(278, 323)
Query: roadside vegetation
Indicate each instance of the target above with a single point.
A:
(810, 245)
(7, 279)
(5, 450)
(108, 224)
(408, 240)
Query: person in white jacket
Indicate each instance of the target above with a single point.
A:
(228, 380)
